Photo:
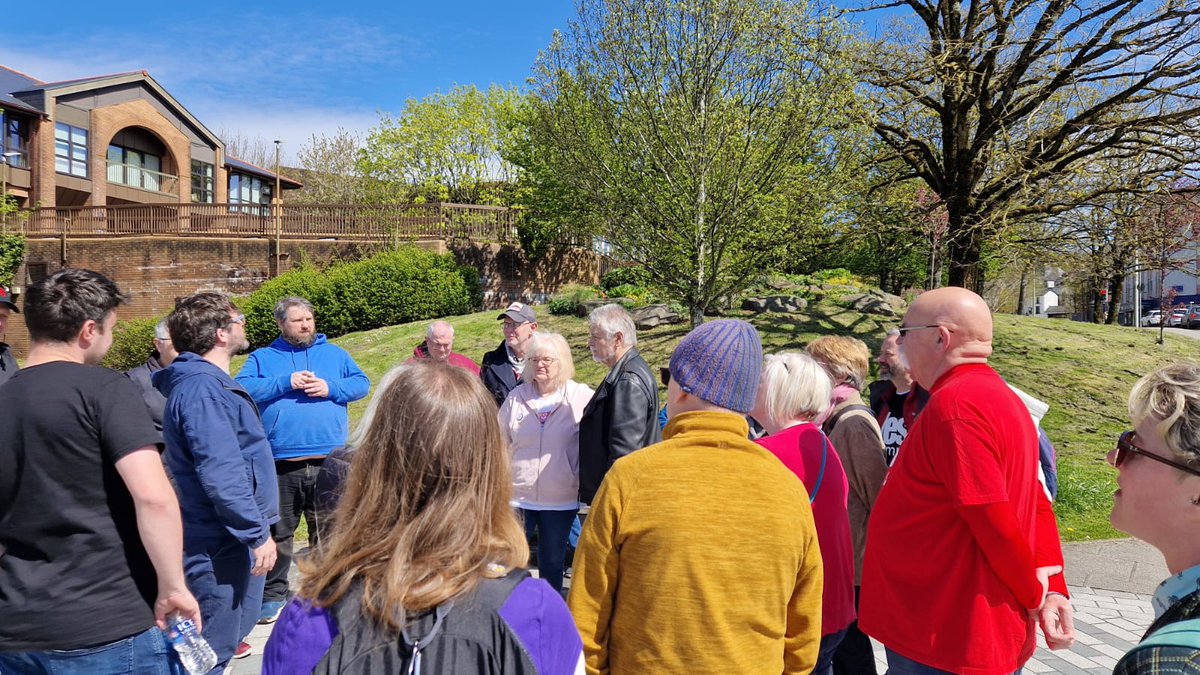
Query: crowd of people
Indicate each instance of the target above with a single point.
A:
(771, 525)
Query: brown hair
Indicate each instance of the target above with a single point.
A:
(846, 359)
(425, 515)
(194, 323)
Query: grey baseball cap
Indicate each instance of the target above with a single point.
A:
(519, 312)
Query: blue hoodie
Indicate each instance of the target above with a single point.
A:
(218, 454)
(299, 425)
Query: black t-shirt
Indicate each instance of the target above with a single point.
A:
(74, 572)
(893, 428)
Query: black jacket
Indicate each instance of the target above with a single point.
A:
(8, 363)
(154, 399)
(327, 491)
(497, 373)
(621, 417)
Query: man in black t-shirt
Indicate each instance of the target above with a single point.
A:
(895, 398)
(90, 537)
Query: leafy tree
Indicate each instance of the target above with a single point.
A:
(993, 102)
(444, 147)
(696, 137)
(329, 170)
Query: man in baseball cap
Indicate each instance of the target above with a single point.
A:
(502, 367)
(8, 363)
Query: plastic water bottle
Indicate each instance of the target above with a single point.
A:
(195, 653)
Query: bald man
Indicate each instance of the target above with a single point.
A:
(962, 547)
(439, 347)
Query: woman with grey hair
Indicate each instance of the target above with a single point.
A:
(540, 422)
(1158, 501)
(793, 391)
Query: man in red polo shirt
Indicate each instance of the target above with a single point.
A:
(962, 546)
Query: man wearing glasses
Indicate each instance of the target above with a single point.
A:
(503, 367)
(218, 453)
(962, 554)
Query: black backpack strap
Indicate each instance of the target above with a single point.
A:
(833, 419)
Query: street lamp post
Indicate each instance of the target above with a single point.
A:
(277, 201)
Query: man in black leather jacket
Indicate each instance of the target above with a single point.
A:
(623, 414)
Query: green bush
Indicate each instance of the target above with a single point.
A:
(570, 297)
(624, 276)
(259, 307)
(637, 296)
(133, 341)
(400, 286)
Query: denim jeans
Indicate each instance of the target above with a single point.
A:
(146, 653)
(829, 645)
(854, 656)
(218, 574)
(553, 528)
(297, 497)
(900, 665)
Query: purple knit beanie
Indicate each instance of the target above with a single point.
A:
(720, 362)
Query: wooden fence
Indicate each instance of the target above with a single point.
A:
(293, 221)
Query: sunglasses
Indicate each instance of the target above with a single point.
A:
(664, 374)
(904, 330)
(1125, 448)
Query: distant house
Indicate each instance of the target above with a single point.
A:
(1047, 299)
(113, 140)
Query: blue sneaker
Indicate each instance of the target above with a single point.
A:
(270, 611)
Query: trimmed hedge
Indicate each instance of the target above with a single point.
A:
(133, 341)
(304, 282)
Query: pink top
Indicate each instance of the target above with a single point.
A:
(799, 448)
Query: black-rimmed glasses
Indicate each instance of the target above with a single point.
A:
(1125, 448)
(903, 330)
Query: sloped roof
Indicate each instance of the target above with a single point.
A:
(41, 86)
(246, 167)
(11, 82)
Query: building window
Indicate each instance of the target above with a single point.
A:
(15, 138)
(202, 182)
(249, 194)
(135, 168)
(70, 150)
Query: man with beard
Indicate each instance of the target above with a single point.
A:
(218, 454)
(895, 398)
(302, 384)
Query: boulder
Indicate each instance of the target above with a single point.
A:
(654, 315)
(869, 304)
(894, 301)
(782, 304)
(583, 309)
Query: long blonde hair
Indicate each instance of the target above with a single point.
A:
(425, 512)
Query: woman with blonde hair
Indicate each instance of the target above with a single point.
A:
(424, 562)
(540, 421)
(1158, 501)
(793, 391)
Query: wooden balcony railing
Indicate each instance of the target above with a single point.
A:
(296, 221)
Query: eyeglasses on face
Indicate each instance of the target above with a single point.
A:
(548, 360)
(1125, 448)
(237, 318)
(903, 330)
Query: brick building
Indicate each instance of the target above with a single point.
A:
(113, 140)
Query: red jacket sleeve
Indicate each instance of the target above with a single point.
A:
(999, 536)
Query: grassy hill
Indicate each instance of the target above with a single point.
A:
(1083, 371)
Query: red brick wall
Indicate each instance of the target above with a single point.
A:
(154, 271)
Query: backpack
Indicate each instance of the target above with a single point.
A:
(1182, 634)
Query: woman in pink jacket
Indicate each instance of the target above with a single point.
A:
(540, 421)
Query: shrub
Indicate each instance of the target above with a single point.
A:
(624, 276)
(133, 341)
(637, 296)
(570, 297)
(409, 284)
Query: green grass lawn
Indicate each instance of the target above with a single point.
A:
(1083, 371)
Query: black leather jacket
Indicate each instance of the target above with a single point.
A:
(621, 417)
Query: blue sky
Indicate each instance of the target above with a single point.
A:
(287, 69)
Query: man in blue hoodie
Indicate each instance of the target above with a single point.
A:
(218, 453)
(303, 384)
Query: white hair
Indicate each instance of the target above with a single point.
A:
(161, 332)
(436, 325)
(795, 386)
(612, 319)
(555, 346)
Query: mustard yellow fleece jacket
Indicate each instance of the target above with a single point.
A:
(699, 556)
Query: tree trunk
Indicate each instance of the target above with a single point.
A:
(1021, 290)
(1116, 295)
(965, 251)
(1097, 303)
(697, 313)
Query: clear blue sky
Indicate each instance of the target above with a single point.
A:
(287, 69)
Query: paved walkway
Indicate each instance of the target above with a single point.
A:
(1110, 583)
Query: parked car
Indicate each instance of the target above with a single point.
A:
(1152, 318)
(1192, 320)
(1178, 316)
